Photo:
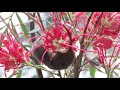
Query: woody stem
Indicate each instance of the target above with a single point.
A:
(78, 61)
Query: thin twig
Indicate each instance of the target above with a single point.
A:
(30, 16)
(6, 18)
(59, 74)
(39, 67)
(40, 20)
(5, 23)
(97, 21)
(72, 23)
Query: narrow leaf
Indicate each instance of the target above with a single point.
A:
(92, 72)
(24, 28)
(19, 74)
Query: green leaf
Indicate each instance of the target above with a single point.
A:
(19, 74)
(92, 72)
(24, 28)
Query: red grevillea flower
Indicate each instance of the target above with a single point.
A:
(57, 50)
(108, 24)
(112, 26)
(57, 38)
(12, 54)
(103, 43)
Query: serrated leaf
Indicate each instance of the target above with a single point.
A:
(24, 28)
(92, 72)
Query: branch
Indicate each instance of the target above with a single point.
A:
(96, 22)
(40, 20)
(32, 26)
(78, 61)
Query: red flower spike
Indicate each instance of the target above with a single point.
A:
(57, 39)
(103, 43)
(13, 55)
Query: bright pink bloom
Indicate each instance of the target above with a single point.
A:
(57, 38)
(12, 55)
(80, 14)
(108, 24)
(103, 43)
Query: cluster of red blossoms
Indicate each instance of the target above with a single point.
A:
(108, 28)
(105, 26)
(102, 32)
(57, 38)
(12, 54)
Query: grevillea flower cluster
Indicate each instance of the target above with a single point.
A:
(108, 28)
(97, 29)
(107, 24)
(57, 39)
(12, 53)
(102, 31)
